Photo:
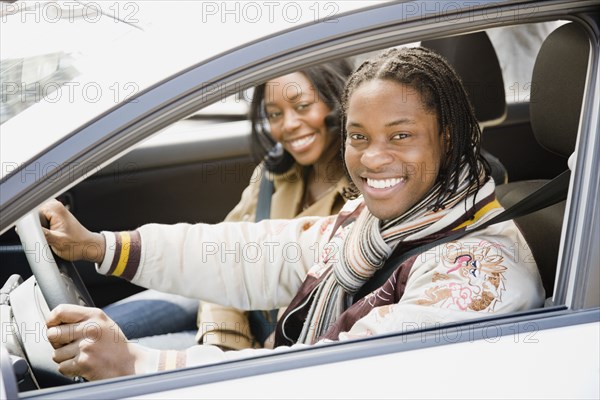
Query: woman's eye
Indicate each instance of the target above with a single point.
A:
(302, 106)
(356, 136)
(274, 115)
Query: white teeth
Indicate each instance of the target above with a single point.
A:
(383, 183)
(301, 141)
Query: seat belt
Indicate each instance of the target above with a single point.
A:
(547, 195)
(265, 193)
(262, 322)
(267, 186)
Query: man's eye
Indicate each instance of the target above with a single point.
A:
(401, 135)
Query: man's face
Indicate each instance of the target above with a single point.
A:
(393, 147)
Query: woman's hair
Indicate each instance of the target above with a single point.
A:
(328, 80)
(442, 92)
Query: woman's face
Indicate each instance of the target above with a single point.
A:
(393, 146)
(296, 116)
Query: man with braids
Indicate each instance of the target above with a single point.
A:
(411, 147)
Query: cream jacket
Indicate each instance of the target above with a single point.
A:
(262, 265)
(229, 327)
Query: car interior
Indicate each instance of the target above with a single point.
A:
(474, 60)
(555, 107)
(138, 189)
(559, 77)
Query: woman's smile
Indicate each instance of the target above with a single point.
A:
(300, 144)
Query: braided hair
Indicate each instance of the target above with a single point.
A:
(328, 80)
(441, 91)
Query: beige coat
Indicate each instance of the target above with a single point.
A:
(228, 327)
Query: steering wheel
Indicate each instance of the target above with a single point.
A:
(58, 279)
(55, 281)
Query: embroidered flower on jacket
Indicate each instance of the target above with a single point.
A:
(476, 276)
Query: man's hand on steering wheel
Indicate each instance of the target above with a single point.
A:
(87, 343)
(68, 238)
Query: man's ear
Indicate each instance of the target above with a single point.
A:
(446, 139)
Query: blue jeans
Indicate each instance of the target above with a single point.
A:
(157, 320)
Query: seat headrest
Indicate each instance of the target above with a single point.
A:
(474, 59)
(557, 87)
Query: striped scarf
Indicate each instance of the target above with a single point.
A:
(369, 244)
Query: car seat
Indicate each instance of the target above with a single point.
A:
(558, 82)
(474, 59)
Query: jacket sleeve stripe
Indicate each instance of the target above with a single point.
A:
(127, 254)
(171, 359)
(135, 251)
(123, 254)
(116, 255)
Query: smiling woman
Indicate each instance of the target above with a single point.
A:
(290, 102)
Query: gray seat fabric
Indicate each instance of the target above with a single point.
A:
(474, 59)
(558, 83)
(541, 229)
